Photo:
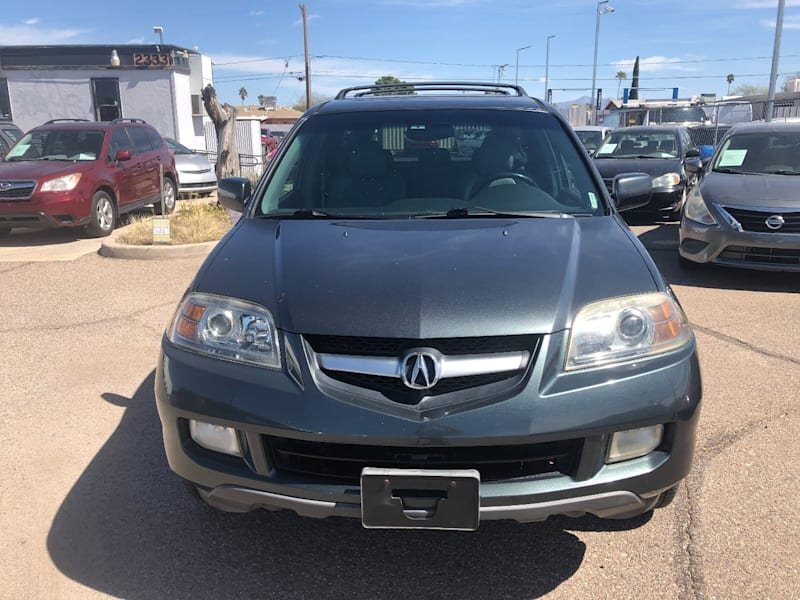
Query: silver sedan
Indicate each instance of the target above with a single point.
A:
(195, 172)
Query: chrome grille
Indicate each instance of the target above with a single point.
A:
(756, 220)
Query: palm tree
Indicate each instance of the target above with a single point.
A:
(242, 94)
(621, 75)
(730, 79)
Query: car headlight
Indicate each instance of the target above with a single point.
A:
(668, 180)
(696, 209)
(61, 184)
(624, 329)
(228, 329)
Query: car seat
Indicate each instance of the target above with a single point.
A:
(367, 179)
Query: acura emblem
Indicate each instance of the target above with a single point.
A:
(421, 369)
(5, 185)
(775, 222)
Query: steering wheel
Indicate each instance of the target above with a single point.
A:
(485, 182)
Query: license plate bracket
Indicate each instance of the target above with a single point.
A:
(420, 499)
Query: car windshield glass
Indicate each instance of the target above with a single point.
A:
(590, 139)
(629, 144)
(13, 134)
(400, 164)
(764, 153)
(176, 147)
(58, 144)
(678, 114)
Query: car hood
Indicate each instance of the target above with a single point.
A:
(39, 169)
(610, 167)
(426, 278)
(192, 162)
(779, 191)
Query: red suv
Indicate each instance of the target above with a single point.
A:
(72, 172)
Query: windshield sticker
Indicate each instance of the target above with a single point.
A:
(593, 200)
(732, 158)
(608, 148)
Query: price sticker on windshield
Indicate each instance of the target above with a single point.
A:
(732, 158)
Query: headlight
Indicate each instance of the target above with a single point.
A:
(623, 329)
(668, 180)
(61, 184)
(696, 209)
(227, 329)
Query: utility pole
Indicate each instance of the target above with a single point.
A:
(305, 47)
(776, 51)
(547, 67)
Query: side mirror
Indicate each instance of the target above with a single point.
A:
(632, 190)
(692, 153)
(693, 165)
(234, 192)
(123, 155)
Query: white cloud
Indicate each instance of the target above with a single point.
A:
(309, 17)
(33, 21)
(18, 35)
(650, 64)
(255, 13)
(139, 40)
(792, 22)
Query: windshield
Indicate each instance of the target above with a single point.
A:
(58, 144)
(651, 144)
(762, 153)
(176, 147)
(13, 134)
(413, 163)
(590, 139)
(675, 114)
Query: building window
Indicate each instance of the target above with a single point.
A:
(5, 101)
(197, 106)
(105, 93)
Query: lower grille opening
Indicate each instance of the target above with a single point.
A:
(754, 254)
(343, 463)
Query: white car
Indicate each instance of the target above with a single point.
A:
(195, 172)
(592, 136)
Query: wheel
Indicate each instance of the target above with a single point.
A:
(471, 193)
(689, 265)
(103, 216)
(170, 196)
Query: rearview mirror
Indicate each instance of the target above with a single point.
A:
(632, 190)
(693, 165)
(234, 192)
(123, 155)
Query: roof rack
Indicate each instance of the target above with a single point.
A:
(129, 120)
(501, 89)
(67, 120)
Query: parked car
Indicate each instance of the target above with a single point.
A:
(77, 173)
(268, 141)
(667, 154)
(430, 345)
(591, 136)
(195, 173)
(9, 135)
(746, 210)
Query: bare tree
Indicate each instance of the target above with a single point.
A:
(224, 118)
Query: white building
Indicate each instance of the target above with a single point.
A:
(158, 83)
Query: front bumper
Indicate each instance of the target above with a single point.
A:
(553, 406)
(723, 245)
(49, 209)
(196, 183)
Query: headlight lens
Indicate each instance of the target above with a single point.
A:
(623, 329)
(61, 184)
(668, 180)
(228, 329)
(696, 209)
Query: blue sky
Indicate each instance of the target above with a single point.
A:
(259, 45)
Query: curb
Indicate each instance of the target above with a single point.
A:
(112, 249)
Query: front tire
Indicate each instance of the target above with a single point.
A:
(170, 195)
(103, 217)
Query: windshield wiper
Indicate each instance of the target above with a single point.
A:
(783, 172)
(732, 171)
(309, 213)
(479, 211)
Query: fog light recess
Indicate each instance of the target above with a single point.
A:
(215, 437)
(634, 443)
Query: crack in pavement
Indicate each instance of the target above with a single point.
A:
(743, 344)
(132, 315)
(16, 267)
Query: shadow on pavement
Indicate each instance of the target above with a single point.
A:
(661, 240)
(26, 238)
(129, 528)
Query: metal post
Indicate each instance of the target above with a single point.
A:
(305, 48)
(516, 68)
(547, 66)
(598, 12)
(161, 187)
(776, 51)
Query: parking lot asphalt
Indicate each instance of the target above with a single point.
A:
(89, 507)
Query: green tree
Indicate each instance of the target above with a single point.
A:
(634, 95)
(621, 76)
(300, 103)
(262, 100)
(747, 89)
(730, 79)
(399, 90)
(242, 94)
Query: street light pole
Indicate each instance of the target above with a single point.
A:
(602, 8)
(776, 51)
(547, 66)
(516, 69)
(500, 70)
